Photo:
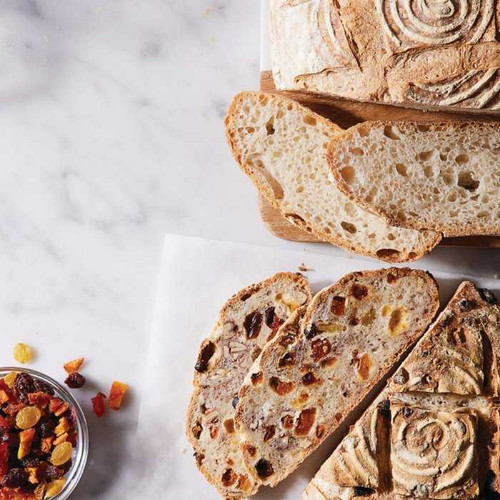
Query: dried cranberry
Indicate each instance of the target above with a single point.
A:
(269, 316)
(204, 357)
(46, 428)
(264, 468)
(41, 386)
(359, 291)
(253, 324)
(75, 380)
(289, 359)
(16, 478)
(54, 472)
(311, 332)
(360, 491)
(23, 385)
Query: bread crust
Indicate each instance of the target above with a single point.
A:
(294, 366)
(377, 51)
(291, 287)
(418, 218)
(420, 402)
(429, 239)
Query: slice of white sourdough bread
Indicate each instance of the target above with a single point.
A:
(436, 421)
(307, 381)
(281, 146)
(246, 323)
(439, 176)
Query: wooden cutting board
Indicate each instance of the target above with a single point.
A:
(346, 114)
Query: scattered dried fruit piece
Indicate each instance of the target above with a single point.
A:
(98, 404)
(10, 379)
(118, 390)
(61, 453)
(54, 487)
(74, 366)
(22, 353)
(40, 490)
(28, 417)
(25, 440)
(75, 380)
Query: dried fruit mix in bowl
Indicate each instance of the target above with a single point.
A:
(38, 433)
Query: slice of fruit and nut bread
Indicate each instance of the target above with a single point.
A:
(281, 146)
(438, 412)
(439, 176)
(307, 382)
(246, 323)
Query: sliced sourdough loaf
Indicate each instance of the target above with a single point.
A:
(281, 146)
(440, 176)
(246, 323)
(440, 417)
(306, 382)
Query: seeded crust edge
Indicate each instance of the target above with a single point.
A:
(318, 299)
(422, 250)
(336, 166)
(253, 288)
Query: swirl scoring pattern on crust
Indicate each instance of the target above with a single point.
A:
(474, 89)
(425, 23)
(433, 453)
(354, 462)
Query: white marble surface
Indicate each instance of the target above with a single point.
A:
(111, 117)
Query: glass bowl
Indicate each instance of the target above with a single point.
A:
(81, 450)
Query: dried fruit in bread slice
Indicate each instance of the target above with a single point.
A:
(307, 382)
(246, 323)
(439, 176)
(423, 405)
(281, 146)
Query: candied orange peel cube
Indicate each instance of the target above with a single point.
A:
(62, 426)
(116, 394)
(46, 444)
(25, 440)
(4, 397)
(40, 399)
(74, 366)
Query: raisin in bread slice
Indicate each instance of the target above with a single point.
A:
(306, 383)
(442, 419)
(246, 323)
(281, 146)
(439, 176)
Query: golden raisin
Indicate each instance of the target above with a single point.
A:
(55, 487)
(28, 417)
(61, 453)
(22, 353)
(10, 378)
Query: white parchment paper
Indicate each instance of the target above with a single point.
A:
(197, 277)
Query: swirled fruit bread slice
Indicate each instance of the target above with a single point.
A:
(438, 412)
(281, 146)
(305, 384)
(439, 176)
(246, 323)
